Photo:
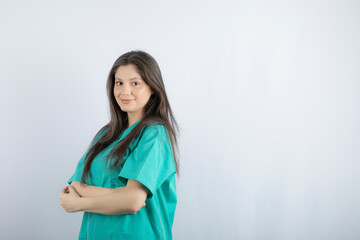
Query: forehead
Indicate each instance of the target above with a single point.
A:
(126, 72)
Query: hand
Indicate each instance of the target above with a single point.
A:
(69, 199)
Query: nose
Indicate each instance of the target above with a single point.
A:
(125, 90)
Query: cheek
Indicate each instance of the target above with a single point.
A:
(116, 92)
(144, 91)
(138, 93)
(144, 95)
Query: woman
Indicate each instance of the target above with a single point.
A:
(125, 183)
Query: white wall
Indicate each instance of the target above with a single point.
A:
(266, 93)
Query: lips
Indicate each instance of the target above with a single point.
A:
(126, 100)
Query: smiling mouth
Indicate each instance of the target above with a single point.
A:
(126, 100)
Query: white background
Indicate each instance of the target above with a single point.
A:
(266, 94)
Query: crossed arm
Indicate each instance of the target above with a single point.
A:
(110, 201)
(85, 190)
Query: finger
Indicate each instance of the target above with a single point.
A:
(65, 191)
(72, 191)
(71, 188)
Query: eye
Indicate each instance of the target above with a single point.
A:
(136, 83)
(118, 83)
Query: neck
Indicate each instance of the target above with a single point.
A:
(133, 117)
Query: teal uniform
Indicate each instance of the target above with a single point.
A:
(149, 160)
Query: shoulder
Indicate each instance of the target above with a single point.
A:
(154, 132)
(101, 132)
(155, 129)
(98, 135)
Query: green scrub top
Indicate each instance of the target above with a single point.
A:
(150, 161)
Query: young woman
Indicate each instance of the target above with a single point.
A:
(125, 183)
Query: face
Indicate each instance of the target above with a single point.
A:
(130, 86)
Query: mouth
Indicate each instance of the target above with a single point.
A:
(126, 100)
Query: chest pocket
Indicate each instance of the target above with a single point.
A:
(114, 180)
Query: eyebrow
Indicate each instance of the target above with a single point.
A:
(129, 79)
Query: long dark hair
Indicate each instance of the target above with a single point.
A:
(157, 110)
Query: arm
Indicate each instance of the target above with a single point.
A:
(85, 190)
(125, 200)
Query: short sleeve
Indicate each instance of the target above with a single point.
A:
(151, 162)
(79, 170)
(80, 166)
